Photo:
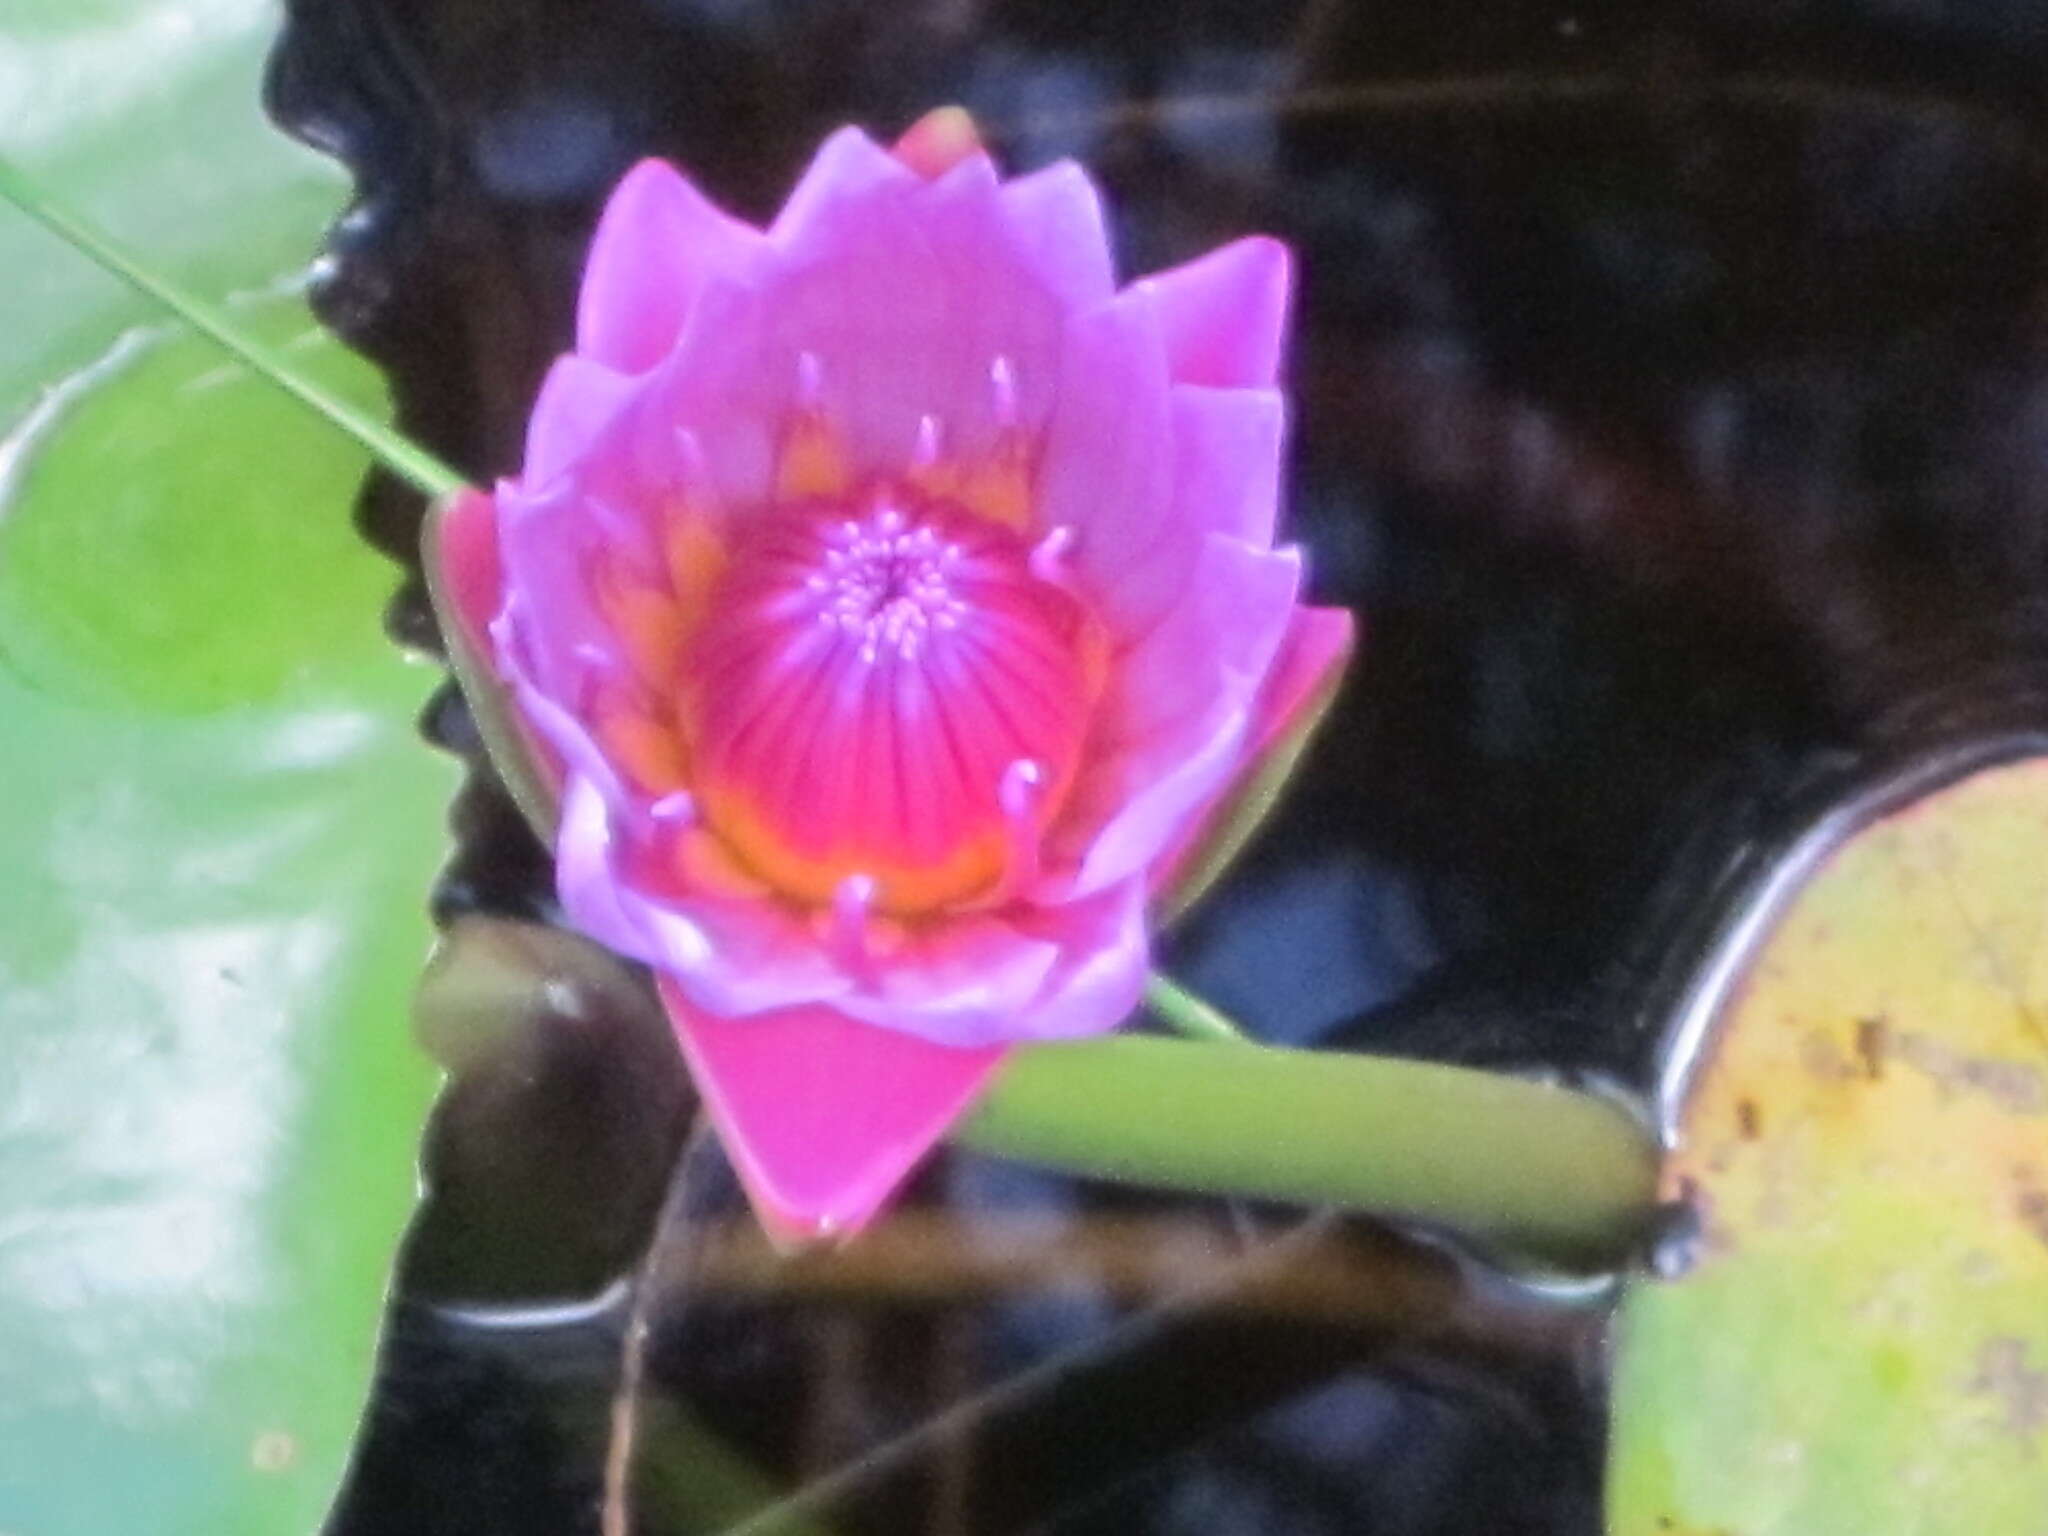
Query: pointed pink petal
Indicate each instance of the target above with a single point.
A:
(462, 555)
(1305, 677)
(465, 576)
(1105, 958)
(848, 171)
(550, 630)
(735, 956)
(1107, 471)
(967, 981)
(1055, 219)
(938, 141)
(823, 1117)
(904, 300)
(1216, 645)
(1319, 642)
(578, 404)
(657, 245)
(1175, 726)
(1227, 451)
(1225, 314)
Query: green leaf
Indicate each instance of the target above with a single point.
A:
(1862, 1343)
(219, 825)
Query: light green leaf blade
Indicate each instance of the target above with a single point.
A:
(219, 825)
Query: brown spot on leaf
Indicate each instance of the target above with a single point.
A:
(1748, 1119)
(1822, 1057)
(2014, 1086)
(2021, 1389)
(2031, 1202)
(1873, 1036)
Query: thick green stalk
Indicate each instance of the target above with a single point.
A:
(1549, 1172)
(396, 453)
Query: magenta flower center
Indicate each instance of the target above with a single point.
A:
(885, 583)
(887, 700)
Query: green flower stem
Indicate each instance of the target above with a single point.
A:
(402, 457)
(1186, 1014)
(1549, 1172)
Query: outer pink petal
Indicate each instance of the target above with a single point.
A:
(586, 882)
(1227, 453)
(1107, 471)
(1176, 718)
(758, 958)
(848, 171)
(657, 245)
(578, 407)
(823, 1116)
(1215, 648)
(550, 631)
(1105, 957)
(1055, 219)
(567, 746)
(734, 957)
(720, 388)
(466, 578)
(963, 983)
(1225, 314)
(1319, 642)
(903, 300)
(1318, 645)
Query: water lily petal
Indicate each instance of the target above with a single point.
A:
(552, 629)
(1105, 956)
(1227, 456)
(1225, 314)
(657, 245)
(466, 583)
(732, 956)
(1055, 220)
(1319, 643)
(891, 320)
(849, 174)
(586, 879)
(1175, 722)
(963, 983)
(1300, 688)
(938, 141)
(579, 402)
(1108, 462)
(756, 956)
(823, 1116)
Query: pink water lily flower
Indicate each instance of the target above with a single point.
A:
(885, 621)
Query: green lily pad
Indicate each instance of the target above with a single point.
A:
(1862, 1343)
(220, 829)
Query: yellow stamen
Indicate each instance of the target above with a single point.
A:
(812, 464)
(647, 748)
(696, 559)
(999, 487)
(649, 623)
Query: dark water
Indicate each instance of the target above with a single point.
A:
(1671, 405)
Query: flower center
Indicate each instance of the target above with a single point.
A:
(885, 583)
(886, 701)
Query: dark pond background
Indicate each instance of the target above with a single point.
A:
(1671, 406)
